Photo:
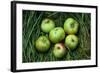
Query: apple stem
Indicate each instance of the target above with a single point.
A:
(72, 25)
(58, 47)
(47, 21)
(72, 40)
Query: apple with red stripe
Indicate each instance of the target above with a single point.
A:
(59, 50)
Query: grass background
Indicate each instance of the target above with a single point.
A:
(31, 31)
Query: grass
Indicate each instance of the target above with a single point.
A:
(31, 31)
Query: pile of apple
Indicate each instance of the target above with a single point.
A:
(63, 39)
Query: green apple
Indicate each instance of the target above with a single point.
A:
(47, 25)
(71, 26)
(59, 50)
(71, 42)
(57, 34)
(42, 44)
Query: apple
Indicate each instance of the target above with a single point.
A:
(71, 26)
(57, 34)
(42, 44)
(71, 42)
(59, 50)
(47, 25)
